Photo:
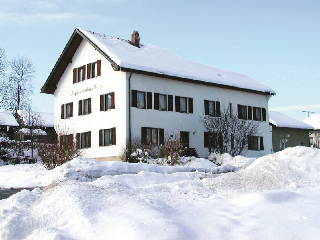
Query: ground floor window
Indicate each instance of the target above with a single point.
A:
(255, 143)
(84, 140)
(107, 137)
(153, 136)
(66, 140)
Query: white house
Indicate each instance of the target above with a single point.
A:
(109, 91)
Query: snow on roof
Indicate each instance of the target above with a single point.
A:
(313, 120)
(45, 119)
(158, 60)
(280, 120)
(7, 119)
(37, 132)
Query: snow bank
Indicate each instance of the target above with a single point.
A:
(289, 169)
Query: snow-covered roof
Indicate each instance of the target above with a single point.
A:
(280, 120)
(149, 59)
(7, 119)
(158, 60)
(37, 132)
(313, 120)
(44, 119)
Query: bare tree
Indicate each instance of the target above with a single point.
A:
(3, 81)
(227, 133)
(20, 85)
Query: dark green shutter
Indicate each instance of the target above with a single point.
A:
(177, 103)
(161, 136)
(190, 105)
(134, 98)
(149, 100)
(170, 103)
(218, 112)
(156, 101)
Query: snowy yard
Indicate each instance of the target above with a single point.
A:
(273, 197)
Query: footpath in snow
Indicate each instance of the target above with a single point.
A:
(273, 197)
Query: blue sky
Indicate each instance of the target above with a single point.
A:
(275, 42)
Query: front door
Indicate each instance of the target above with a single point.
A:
(184, 139)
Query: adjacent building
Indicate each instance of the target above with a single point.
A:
(109, 91)
(287, 131)
(8, 124)
(314, 121)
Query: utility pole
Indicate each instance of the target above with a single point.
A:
(308, 112)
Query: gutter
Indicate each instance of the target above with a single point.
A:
(129, 97)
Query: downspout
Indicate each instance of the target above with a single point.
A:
(129, 109)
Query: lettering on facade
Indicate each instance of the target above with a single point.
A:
(88, 89)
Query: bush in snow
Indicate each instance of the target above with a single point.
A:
(172, 148)
(219, 159)
(58, 153)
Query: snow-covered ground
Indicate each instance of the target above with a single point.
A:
(273, 197)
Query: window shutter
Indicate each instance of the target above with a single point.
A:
(71, 109)
(170, 103)
(249, 113)
(99, 68)
(100, 138)
(88, 70)
(144, 135)
(250, 142)
(74, 75)
(190, 105)
(134, 98)
(70, 136)
(80, 108)
(89, 139)
(101, 103)
(149, 100)
(218, 112)
(261, 143)
(89, 105)
(83, 72)
(264, 115)
(113, 136)
(113, 104)
(220, 140)
(206, 139)
(62, 111)
(156, 101)
(78, 140)
(161, 136)
(239, 111)
(206, 107)
(177, 102)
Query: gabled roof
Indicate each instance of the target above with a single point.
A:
(314, 121)
(150, 60)
(7, 119)
(280, 120)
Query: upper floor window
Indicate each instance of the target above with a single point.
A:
(84, 106)
(213, 140)
(107, 102)
(66, 110)
(152, 136)
(84, 140)
(184, 104)
(107, 137)
(251, 113)
(163, 102)
(141, 99)
(255, 143)
(212, 108)
(88, 71)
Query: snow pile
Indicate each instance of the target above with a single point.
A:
(289, 169)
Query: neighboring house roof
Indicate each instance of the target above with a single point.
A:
(36, 132)
(150, 60)
(314, 121)
(280, 120)
(7, 119)
(45, 119)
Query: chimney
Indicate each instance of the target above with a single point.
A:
(135, 39)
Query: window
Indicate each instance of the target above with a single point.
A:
(84, 106)
(141, 99)
(79, 74)
(163, 102)
(66, 140)
(92, 70)
(107, 137)
(251, 113)
(84, 140)
(153, 136)
(107, 102)
(212, 108)
(255, 143)
(66, 110)
(184, 104)
(212, 140)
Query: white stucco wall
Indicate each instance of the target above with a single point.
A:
(117, 81)
(175, 121)
(109, 81)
